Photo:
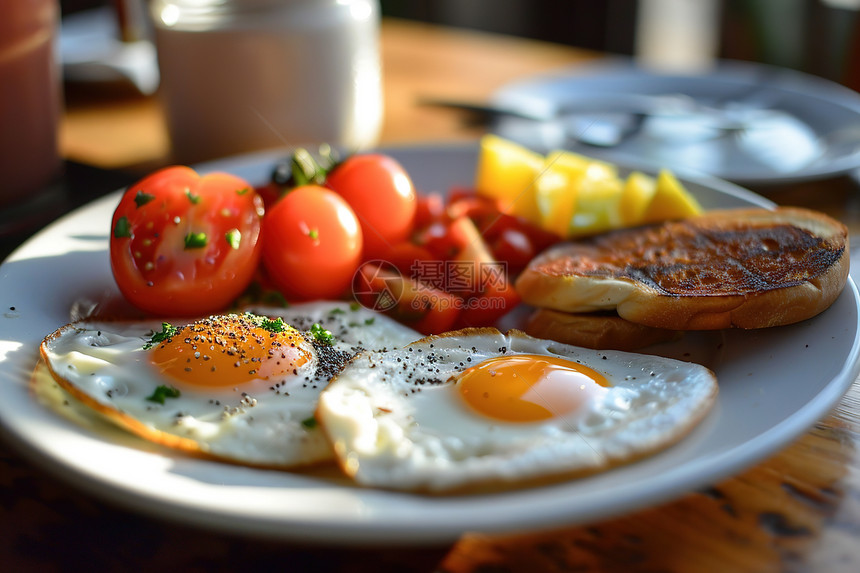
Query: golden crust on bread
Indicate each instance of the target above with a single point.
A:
(747, 268)
(599, 330)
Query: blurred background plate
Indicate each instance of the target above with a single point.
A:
(748, 123)
(95, 46)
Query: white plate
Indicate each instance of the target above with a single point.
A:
(774, 385)
(800, 127)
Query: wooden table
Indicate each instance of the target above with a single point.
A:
(799, 510)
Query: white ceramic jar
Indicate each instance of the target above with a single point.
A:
(241, 75)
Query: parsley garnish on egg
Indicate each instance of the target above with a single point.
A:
(276, 325)
(158, 396)
(320, 334)
(167, 331)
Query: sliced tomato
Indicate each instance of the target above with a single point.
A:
(492, 222)
(185, 244)
(427, 309)
(441, 310)
(490, 294)
(486, 308)
(457, 193)
(473, 264)
(472, 206)
(407, 257)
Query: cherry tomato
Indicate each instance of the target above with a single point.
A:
(437, 239)
(382, 195)
(514, 247)
(311, 243)
(430, 208)
(185, 244)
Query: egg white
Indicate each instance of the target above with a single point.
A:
(396, 420)
(264, 422)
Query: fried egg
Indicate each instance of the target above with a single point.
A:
(478, 406)
(240, 387)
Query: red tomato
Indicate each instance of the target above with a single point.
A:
(311, 243)
(381, 193)
(423, 307)
(185, 244)
(499, 297)
(514, 247)
(492, 222)
(270, 193)
(459, 192)
(441, 312)
(406, 256)
(436, 239)
(430, 208)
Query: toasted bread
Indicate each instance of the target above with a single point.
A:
(747, 268)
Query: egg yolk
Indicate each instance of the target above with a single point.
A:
(528, 387)
(230, 350)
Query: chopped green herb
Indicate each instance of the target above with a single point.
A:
(243, 190)
(234, 238)
(320, 334)
(354, 306)
(309, 423)
(141, 198)
(369, 321)
(163, 392)
(314, 234)
(336, 310)
(195, 199)
(276, 325)
(122, 228)
(195, 241)
(167, 331)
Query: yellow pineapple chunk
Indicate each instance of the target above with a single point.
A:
(508, 172)
(671, 200)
